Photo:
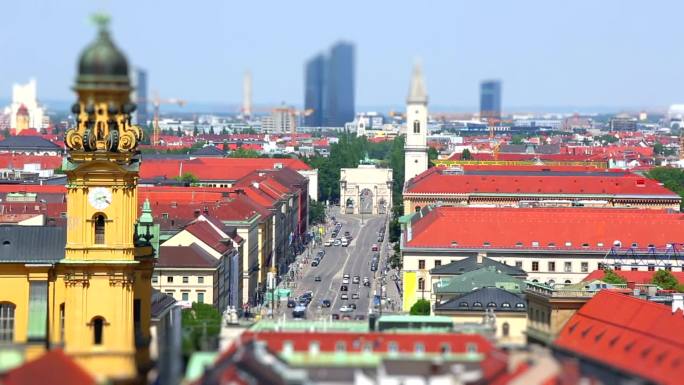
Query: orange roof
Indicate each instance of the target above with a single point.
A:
(214, 168)
(18, 161)
(551, 228)
(537, 180)
(54, 367)
(636, 336)
(632, 276)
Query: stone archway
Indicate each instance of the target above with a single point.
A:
(366, 201)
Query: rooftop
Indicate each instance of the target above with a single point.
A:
(473, 263)
(32, 244)
(544, 229)
(192, 256)
(494, 298)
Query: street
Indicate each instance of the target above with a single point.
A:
(354, 260)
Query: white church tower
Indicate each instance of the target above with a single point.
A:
(415, 149)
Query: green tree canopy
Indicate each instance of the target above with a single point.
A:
(610, 276)
(671, 178)
(421, 307)
(466, 155)
(244, 153)
(432, 156)
(187, 178)
(201, 325)
(316, 212)
(665, 279)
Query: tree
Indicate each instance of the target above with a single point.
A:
(432, 156)
(658, 149)
(316, 212)
(466, 155)
(610, 276)
(201, 326)
(665, 279)
(244, 153)
(188, 178)
(421, 307)
(671, 178)
(178, 132)
(195, 131)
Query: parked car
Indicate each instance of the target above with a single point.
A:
(355, 296)
(328, 243)
(291, 303)
(345, 281)
(335, 316)
(359, 317)
(326, 303)
(346, 276)
(367, 284)
(317, 279)
(356, 279)
(374, 247)
(352, 305)
(314, 263)
(344, 296)
(337, 242)
(344, 288)
(346, 309)
(344, 242)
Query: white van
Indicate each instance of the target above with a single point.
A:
(344, 242)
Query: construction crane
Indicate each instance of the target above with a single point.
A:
(156, 101)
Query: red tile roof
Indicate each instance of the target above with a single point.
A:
(472, 227)
(206, 233)
(220, 169)
(556, 181)
(635, 336)
(193, 256)
(17, 161)
(632, 276)
(54, 367)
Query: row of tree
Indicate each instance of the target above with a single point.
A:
(663, 278)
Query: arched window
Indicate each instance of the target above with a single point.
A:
(98, 324)
(99, 229)
(6, 322)
(506, 329)
(416, 127)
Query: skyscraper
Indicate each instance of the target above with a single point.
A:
(329, 87)
(490, 99)
(314, 90)
(339, 98)
(139, 94)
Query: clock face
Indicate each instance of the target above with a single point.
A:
(100, 197)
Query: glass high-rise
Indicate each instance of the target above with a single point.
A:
(314, 91)
(329, 87)
(490, 99)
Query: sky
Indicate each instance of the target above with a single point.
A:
(618, 54)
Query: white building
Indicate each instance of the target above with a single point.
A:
(416, 160)
(26, 94)
(366, 189)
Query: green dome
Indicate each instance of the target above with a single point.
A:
(102, 64)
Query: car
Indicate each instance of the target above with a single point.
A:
(326, 303)
(347, 233)
(346, 309)
(328, 243)
(380, 239)
(321, 253)
(346, 276)
(359, 317)
(291, 303)
(317, 278)
(356, 279)
(335, 316)
(299, 312)
(337, 242)
(307, 294)
(345, 281)
(374, 267)
(344, 296)
(344, 288)
(355, 296)
(374, 247)
(315, 262)
(344, 242)
(346, 317)
(352, 305)
(367, 283)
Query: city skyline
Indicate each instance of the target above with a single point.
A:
(541, 52)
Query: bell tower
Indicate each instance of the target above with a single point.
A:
(415, 149)
(108, 266)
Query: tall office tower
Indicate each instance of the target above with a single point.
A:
(247, 95)
(415, 148)
(314, 90)
(490, 99)
(339, 86)
(139, 95)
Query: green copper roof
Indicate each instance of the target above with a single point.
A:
(102, 64)
(340, 326)
(146, 216)
(485, 277)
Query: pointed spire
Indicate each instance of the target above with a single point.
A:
(417, 92)
(146, 216)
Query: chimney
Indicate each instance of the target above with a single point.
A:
(677, 302)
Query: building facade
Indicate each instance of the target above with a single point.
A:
(314, 90)
(366, 190)
(415, 148)
(339, 86)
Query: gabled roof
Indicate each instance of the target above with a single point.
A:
(545, 229)
(28, 142)
(32, 244)
(476, 263)
(208, 151)
(632, 335)
(482, 298)
(485, 277)
(207, 234)
(631, 276)
(54, 367)
(160, 303)
(193, 256)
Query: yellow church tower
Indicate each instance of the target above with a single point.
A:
(107, 266)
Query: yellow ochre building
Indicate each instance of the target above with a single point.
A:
(86, 288)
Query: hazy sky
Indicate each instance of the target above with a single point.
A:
(615, 53)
